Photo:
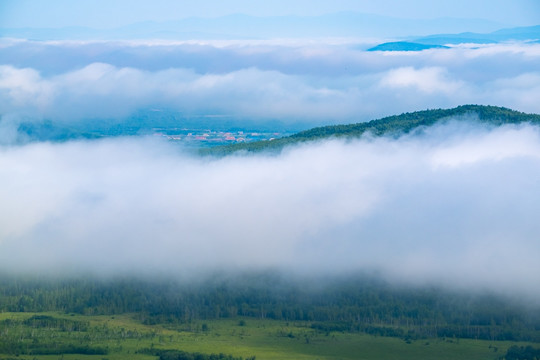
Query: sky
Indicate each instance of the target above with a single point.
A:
(107, 14)
(455, 204)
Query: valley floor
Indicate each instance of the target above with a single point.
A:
(44, 336)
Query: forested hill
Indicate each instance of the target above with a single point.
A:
(356, 303)
(392, 125)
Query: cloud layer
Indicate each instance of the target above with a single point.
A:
(309, 82)
(456, 205)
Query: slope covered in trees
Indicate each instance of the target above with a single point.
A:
(349, 304)
(396, 125)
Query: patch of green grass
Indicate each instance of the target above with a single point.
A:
(124, 337)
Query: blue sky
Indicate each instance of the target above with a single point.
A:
(104, 13)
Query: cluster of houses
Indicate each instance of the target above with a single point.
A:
(213, 137)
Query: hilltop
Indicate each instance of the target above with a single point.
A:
(405, 46)
(395, 125)
(529, 34)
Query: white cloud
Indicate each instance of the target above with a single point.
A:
(426, 80)
(102, 90)
(312, 82)
(473, 149)
(457, 204)
(22, 88)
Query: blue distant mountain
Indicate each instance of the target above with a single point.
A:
(529, 33)
(239, 26)
(405, 46)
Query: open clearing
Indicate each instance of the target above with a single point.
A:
(124, 337)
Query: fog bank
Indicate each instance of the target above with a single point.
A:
(309, 82)
(457, 204)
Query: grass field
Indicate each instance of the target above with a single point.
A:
(123, 337)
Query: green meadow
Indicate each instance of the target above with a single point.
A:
(54, 335)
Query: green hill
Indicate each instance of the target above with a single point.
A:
(396, 125)
(405, 46)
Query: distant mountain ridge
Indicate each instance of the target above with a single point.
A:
(239, 26)
(528, 33)
(396, 125)
(405, 46)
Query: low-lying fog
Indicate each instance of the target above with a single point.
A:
(456, 204)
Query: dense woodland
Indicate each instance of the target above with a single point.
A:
(395, 126)
(352, 304)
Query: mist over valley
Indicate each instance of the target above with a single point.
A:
(343, 180)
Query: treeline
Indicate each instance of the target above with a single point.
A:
(392, 126)
(522, 353)
(49, 322)
(184, 355)
(16, 342)
(58, 335)
(50, 348)
(356, 303)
